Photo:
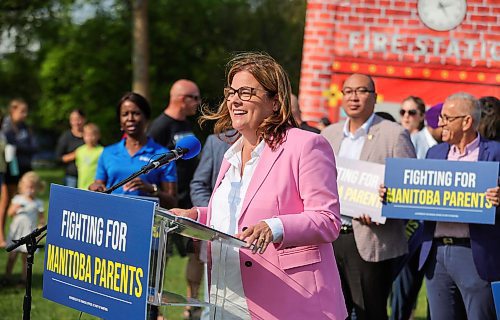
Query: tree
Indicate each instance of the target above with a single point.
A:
(24, 24)
(87, 64)
(140, 52)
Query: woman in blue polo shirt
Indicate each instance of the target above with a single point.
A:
(120, 160)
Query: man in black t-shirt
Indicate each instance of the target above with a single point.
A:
(172, 125)
(167, 129)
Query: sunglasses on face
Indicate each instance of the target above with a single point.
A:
(192, 96)
(411, 112)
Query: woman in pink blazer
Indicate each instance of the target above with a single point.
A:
(277, 191)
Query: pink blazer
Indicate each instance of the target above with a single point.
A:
(297, 278)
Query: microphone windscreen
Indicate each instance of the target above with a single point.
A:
(192, 144)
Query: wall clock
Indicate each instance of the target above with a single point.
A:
(442, 15)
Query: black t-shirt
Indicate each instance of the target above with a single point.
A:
(68, 143)
(167, 131)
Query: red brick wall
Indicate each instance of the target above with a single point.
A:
(386, 39)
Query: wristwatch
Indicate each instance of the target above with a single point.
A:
(155, 189)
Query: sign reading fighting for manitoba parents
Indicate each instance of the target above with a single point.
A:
(97, 252)
(358, 183)
(440, 190)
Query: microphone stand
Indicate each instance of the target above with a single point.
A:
(31, 243)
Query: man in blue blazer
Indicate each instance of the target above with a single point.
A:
(461, 260)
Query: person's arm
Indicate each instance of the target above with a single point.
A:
(13, 208)
(41, 213)
(319, 222)
(168, 194)
(101, 175)
(62, 145)
(201, 184)
(68, 157)
(168, 188)
(493, 195)
(98, 185)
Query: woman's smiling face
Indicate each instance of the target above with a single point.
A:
(246, 116)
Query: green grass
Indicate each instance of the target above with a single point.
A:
(11, 306)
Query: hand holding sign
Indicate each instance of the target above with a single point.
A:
(365, 219)
(493, 195)
(358, 181)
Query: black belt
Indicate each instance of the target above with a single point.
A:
(451, 241)
(346, 229)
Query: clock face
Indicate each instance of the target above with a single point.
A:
(442, 15)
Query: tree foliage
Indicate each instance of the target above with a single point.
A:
(88, 64)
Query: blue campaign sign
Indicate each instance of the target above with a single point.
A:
(440, 190)
(495, 286)
(97, 252)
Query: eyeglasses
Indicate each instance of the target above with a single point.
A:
(446, 119)
(192, 96)
(411, 112)
(244, 93)
(361, 91)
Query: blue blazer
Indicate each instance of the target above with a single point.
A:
(485, 238)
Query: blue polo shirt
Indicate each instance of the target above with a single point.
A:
(116, 164)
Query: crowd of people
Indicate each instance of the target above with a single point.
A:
(270, 178)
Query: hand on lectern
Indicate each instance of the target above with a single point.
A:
(257, 237)
(188, 213)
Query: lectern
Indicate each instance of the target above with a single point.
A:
(105, 254)
(164, 223)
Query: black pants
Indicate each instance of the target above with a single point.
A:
(365, 285)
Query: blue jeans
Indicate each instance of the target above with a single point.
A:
(405, 288)
(70, 181)
(454, 288)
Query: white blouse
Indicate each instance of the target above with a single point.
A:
(226, 289)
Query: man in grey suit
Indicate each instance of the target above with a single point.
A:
(367, 252)
(206, 173)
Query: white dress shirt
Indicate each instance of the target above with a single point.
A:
(226, 289)
(352, 144)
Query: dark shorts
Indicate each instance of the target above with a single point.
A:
(10, 179)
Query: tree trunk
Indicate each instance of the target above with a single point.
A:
(140, 53)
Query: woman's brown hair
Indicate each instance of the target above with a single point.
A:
(274, 80)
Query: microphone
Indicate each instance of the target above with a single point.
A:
(186, 148)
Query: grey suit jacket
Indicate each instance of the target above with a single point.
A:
(205, 176)
(385, 139)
